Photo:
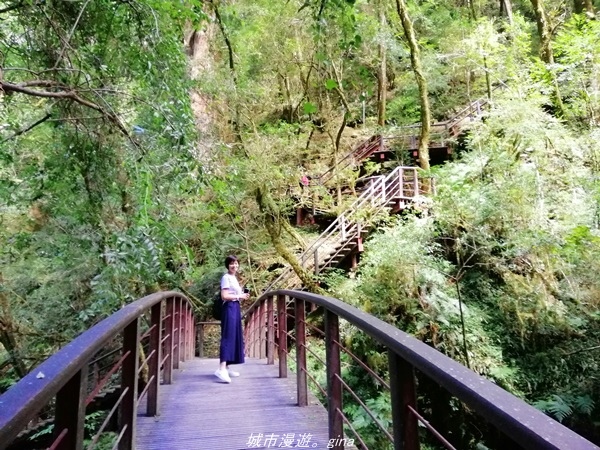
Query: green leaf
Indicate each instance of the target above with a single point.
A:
(309, 108)
(331, 84)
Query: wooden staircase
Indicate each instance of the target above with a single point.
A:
(442, 133)
(345, 234)
(408, 138)
(393, 191)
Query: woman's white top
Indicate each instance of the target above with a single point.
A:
(231, 283)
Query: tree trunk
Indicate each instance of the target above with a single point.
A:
(415, 58)
(506, 8)
(236, 121)
(544, 31)
(584, 5)
(381, 79)
(7, 336)
(273, 222)
(471, 4)
(342, 127)
(338, 139)
(546, 53)
(488, 82)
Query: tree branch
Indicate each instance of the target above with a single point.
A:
(66, 42)
(12, 7)
(64, 93)
(25, 130)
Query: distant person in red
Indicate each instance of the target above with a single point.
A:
(232, 338)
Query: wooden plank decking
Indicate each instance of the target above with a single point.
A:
(199, 413)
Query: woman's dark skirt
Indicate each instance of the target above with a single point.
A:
(232, 338)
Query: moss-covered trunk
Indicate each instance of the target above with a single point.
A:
(273, 222)
(417, 66)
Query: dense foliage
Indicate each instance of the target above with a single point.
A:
(141, 141)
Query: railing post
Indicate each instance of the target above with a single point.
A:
(250, 341)
(401, 180)
(343, 226)
(403, 394)
(200, 340)
(154, 362)
(282, 335)
(190, 333)
(262, 351)
(301, 384)
(168, 344)
(359, 233)
(186, 330)
(255, 333)
(70, 411)
(182, 329)
(176, 332)
(129, 378)
(372, 193)
(181, 334)
(334, 374)
(193, 334)
(246, 333)
(416, 180)
(316, 255)
(270, 332)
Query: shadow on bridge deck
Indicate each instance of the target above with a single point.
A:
(257, 410)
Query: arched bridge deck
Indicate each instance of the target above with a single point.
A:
(257, 410)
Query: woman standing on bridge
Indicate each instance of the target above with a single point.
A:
(232, 339)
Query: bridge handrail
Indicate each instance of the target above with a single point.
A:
(518, 420)
(23, 401)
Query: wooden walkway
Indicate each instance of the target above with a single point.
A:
(258, 410)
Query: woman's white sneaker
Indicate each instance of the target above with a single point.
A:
(233, 373)
(222, 375)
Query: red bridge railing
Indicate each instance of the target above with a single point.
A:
(146, 339)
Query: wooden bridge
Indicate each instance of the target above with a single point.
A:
(257, 410)
(167, 398)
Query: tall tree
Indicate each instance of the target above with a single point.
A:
(506, 9)
(232, 68)
(544, 31)
(585, 5)
(417, 66)
(382, 75)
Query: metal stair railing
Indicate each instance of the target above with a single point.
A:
(358, 153)
(440, 131)
(402, 184)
